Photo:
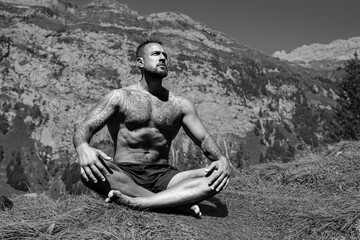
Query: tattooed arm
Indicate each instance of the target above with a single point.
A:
(91, 167)
(219, 169)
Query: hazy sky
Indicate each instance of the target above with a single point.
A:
(267, 25)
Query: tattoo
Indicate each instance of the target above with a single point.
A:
(179, 101)
(97, 118)
(148, 121)
(165, 113)
(211, 150)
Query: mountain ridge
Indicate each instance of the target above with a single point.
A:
(336, 52)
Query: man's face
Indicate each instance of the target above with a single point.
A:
(155, 60)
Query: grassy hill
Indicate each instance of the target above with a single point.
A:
(314, 197)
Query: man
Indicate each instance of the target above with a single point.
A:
(143, 119)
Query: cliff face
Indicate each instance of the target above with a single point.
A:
(322, 56)
(58, 59)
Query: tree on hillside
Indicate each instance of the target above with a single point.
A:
(348, 111)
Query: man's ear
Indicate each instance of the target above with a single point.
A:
(140, 62)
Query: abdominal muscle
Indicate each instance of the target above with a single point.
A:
(145, 145)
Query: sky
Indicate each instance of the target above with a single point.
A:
(267, 25)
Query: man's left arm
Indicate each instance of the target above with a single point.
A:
(219, 169)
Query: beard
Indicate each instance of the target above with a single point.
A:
(156, 72)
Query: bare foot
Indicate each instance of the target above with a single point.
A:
(196, 210)
(190, 210)
(120, 198)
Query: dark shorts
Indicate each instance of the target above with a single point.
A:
(153, 177)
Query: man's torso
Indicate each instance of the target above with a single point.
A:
(145, 125)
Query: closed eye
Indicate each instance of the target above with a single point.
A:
(157, 53)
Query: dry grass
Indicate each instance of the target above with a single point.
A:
(315, 197)
(79, 217)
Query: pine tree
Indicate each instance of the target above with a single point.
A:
(348, 111)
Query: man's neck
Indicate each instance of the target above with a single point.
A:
(151, 84)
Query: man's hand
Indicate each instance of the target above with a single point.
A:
(220, 170)
(91, 163)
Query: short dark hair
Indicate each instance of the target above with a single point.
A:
(140, 49)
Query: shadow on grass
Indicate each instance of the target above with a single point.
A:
(212, 207)
(215, 209)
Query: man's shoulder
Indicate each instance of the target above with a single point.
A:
(128, 88)
(123, 92)
(184, 102)
(175, 97)
(116, 96)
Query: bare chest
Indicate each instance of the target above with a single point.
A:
(143, 111)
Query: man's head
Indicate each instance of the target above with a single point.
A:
(152, 59)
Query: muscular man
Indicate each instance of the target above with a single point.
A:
(143, 119)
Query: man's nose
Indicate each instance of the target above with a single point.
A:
(162, 57)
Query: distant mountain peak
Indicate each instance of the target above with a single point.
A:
(112, 4)
(337, 50)
(41, 3)
(172, 16)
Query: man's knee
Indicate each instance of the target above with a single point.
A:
(202, 185)
(101, 187)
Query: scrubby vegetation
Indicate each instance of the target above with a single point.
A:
(348, 111)
(314, 197)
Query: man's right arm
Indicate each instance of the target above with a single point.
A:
(89, 161)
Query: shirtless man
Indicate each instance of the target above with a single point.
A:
(143, 119)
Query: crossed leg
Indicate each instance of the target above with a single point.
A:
(123, 185)
(117, 181)
(185, 188)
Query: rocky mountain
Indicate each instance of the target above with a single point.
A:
(322, 56)
(57, 59)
